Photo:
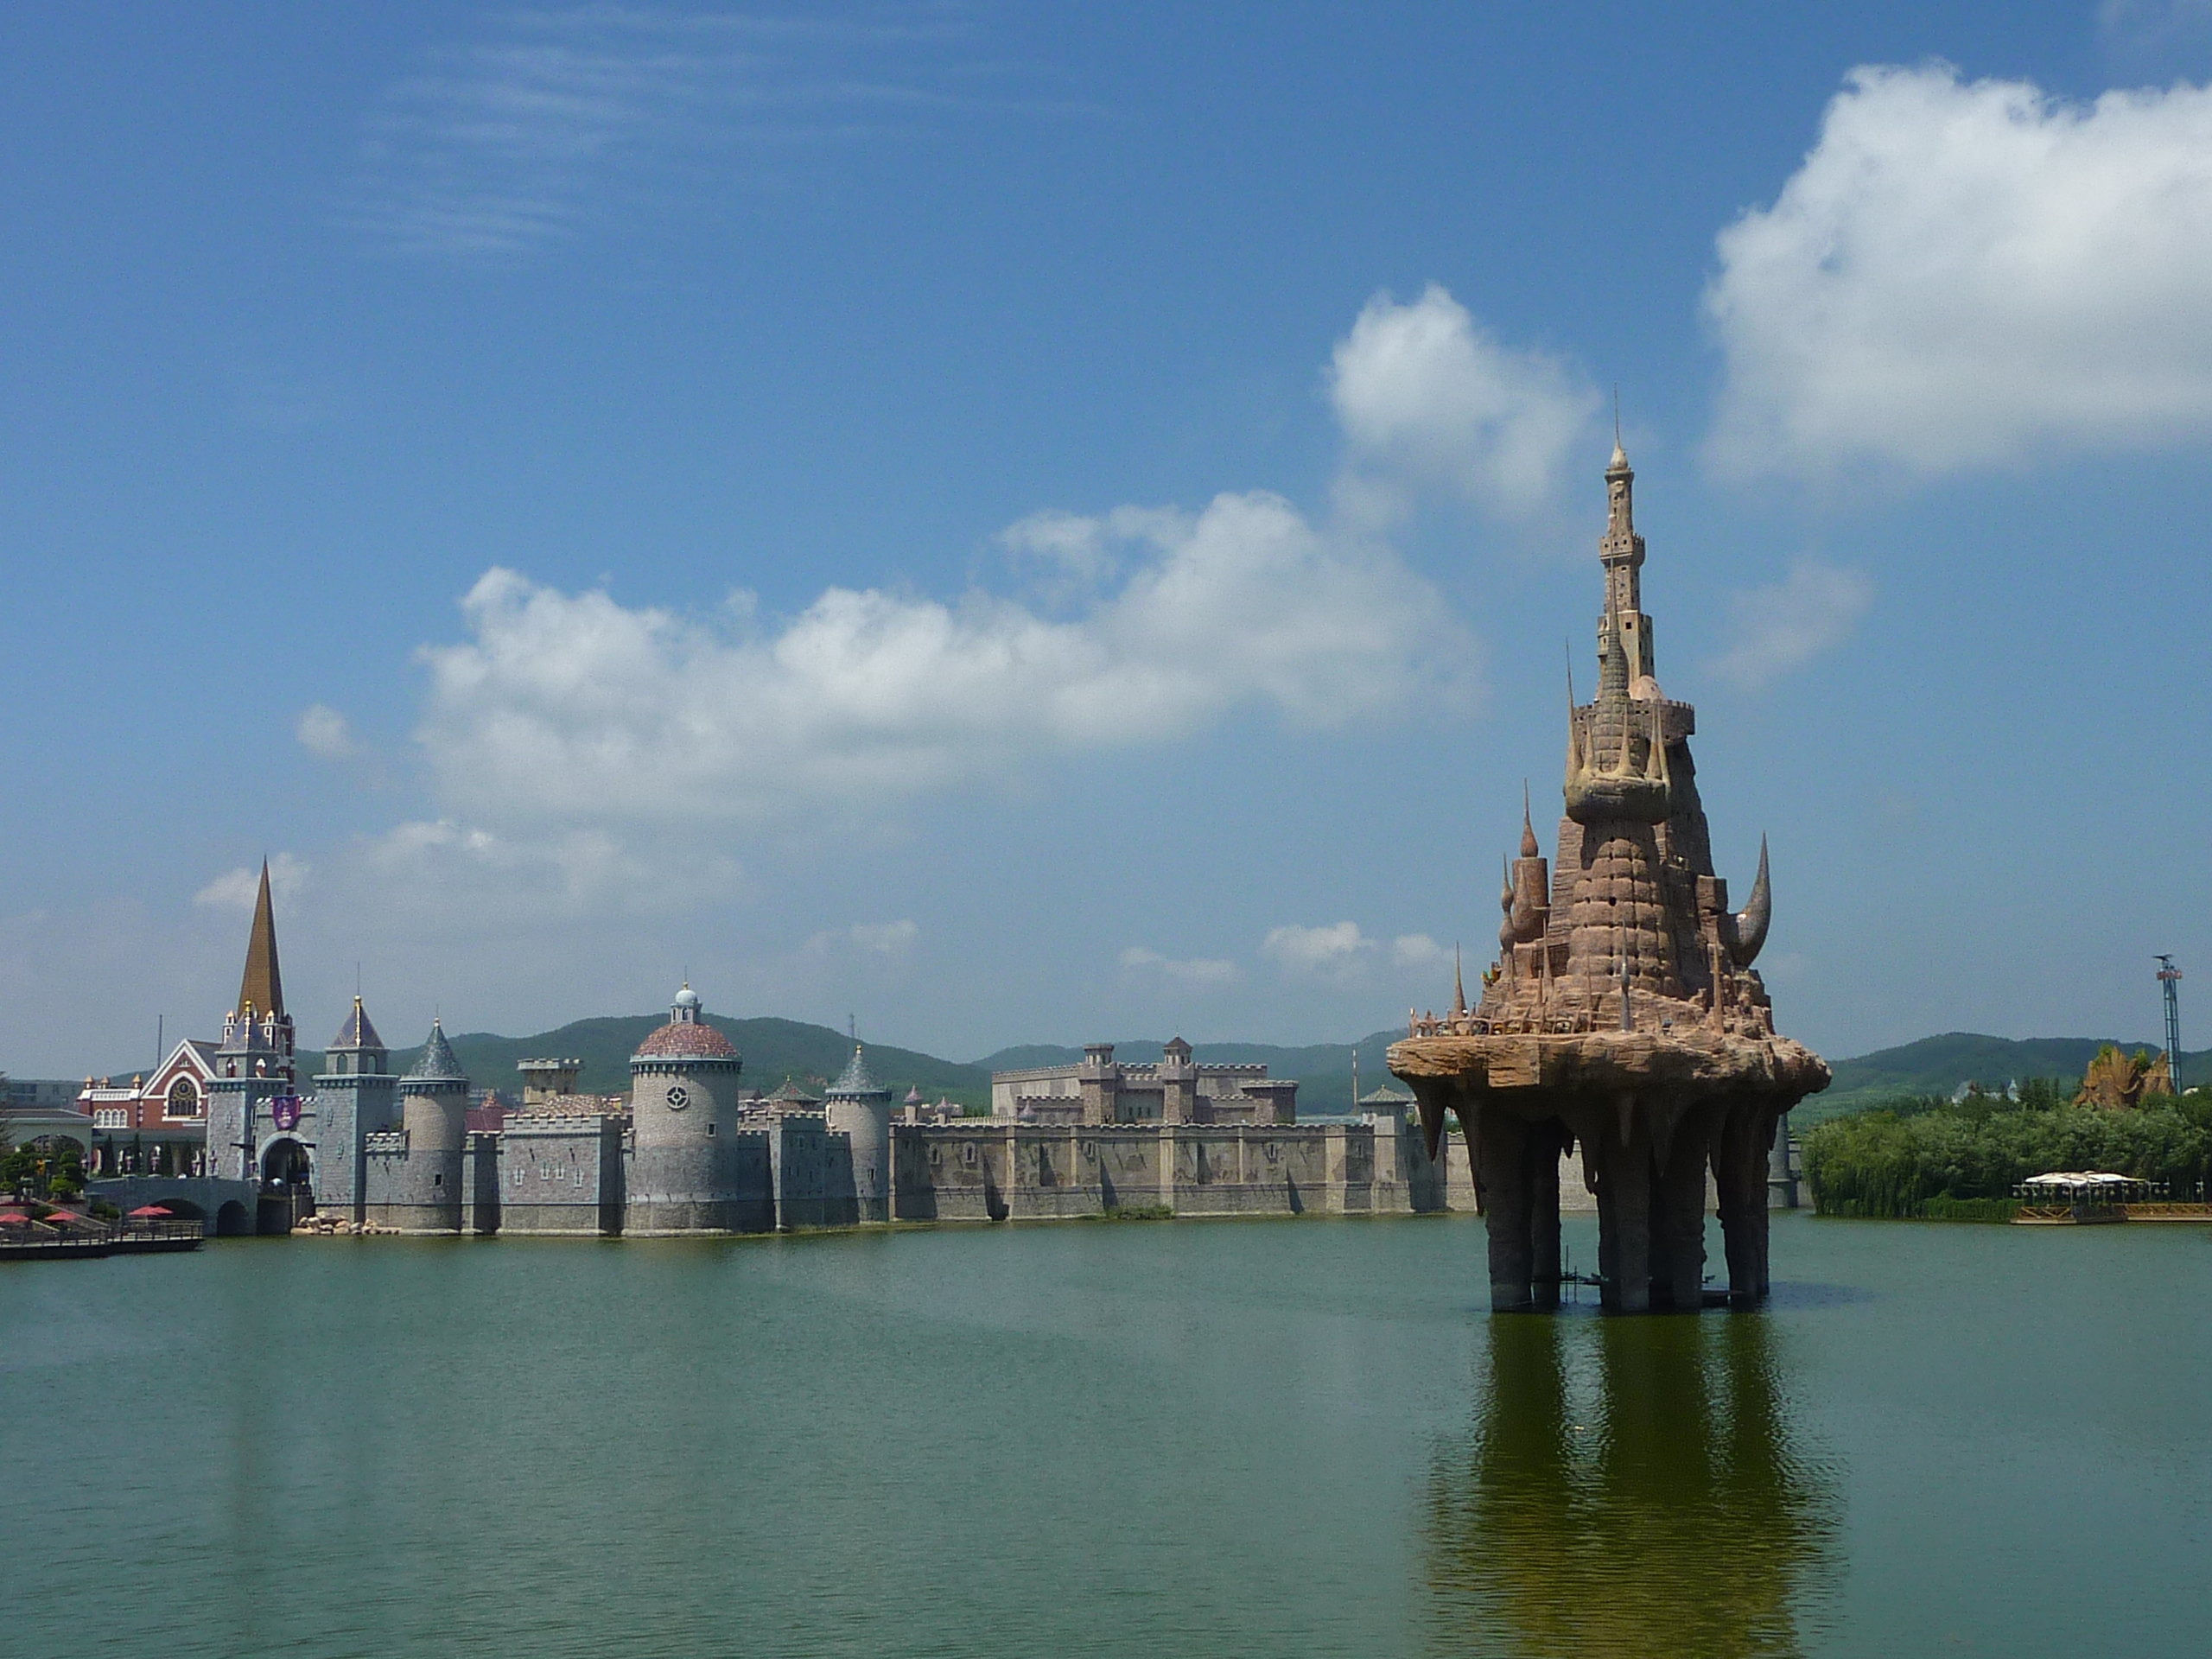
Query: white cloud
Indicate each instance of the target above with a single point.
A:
(239, 888)
(322, 730)
(1960, 274)
(1784, 626)
(577, 707)
(1417, 952)
(1425, 391)
(1339, 949)
(885, 938)
(1197, 973)
(555, 119)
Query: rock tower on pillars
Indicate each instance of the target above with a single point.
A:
(1622, 1013)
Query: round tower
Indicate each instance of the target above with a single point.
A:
(422, 1191)
(858, 1107)
(689, 1172)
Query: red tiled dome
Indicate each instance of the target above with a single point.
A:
(686, 1039)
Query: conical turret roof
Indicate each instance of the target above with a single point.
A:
(856, 1080)
(438, 1064)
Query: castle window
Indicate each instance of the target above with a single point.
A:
(437, 1180)
(710, 1128)
(184, 1099)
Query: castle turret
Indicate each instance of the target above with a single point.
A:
(413, 1179)
(692, 1170)
(355, 1095)
(859, 1107)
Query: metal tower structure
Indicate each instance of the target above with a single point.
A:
(2170, 983)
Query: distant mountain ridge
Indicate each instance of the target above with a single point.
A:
(777, 1049)
(1937, 1066)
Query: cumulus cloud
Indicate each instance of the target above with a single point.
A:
(1424, 390)
(885, 938)
(322, 730)
(1417, 951)
(239, 888)
(1336, 949)
(1962, 273)
(1784, 626)
(1197, 973)
(574, 705)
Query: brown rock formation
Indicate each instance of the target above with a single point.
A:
(2118, 1080)
(1624, 1014)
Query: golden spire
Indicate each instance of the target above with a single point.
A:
(262, 989)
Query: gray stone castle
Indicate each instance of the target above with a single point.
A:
(691, 1153)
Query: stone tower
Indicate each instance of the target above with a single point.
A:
(858, 1107)
(254, 1069)
(355, 1095)
(1623, 1015)
(688, 1172)
(421, 1190)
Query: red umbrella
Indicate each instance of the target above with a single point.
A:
(13, 1218)
(61, 1218)
(145, 1210)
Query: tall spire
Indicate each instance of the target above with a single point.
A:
(1459, 985)
(263, 987)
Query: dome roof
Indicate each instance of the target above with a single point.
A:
(686, 1039)
(688, 998)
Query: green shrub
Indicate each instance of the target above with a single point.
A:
(1897, 1160)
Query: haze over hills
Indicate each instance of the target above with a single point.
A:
(810, 1054)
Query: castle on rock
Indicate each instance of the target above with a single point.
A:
(1624, 1018)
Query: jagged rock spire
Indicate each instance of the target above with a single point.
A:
(263, 987)
(1459, 985)
(1529, 848)
(1752, 920)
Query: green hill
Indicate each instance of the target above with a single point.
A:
(774, 1050)
(1937, 1066)
(1323, 1070)
(777, 1049)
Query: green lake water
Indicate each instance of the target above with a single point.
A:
(1253, 1437)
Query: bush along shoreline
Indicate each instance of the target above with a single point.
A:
(1924, 1158)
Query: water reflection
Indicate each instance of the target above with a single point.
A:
(1630, 1486)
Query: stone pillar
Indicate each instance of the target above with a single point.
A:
(1624, 1212)
(1546, 1145)
(1678, 1218)
(1502, 1151)
(1739, 1155)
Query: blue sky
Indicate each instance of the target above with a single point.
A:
(1027, 524)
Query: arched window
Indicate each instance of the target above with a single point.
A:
(184, 1098)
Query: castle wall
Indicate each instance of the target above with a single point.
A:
(990, 1170)
(560, 1176)
(797, 1155)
